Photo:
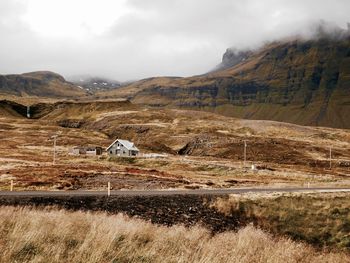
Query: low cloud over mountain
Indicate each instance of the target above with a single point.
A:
(132, 39)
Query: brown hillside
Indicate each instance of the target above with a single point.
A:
(302, 82)
(41, 83)
(199, 149)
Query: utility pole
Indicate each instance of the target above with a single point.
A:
(245, 153)
(54, 148)
(330, 158)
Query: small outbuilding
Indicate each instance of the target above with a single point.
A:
(123, 148)
(87, 150)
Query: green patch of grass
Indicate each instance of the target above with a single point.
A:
(26, 252)
(204, 168)
(321, 220)
(123, 160)
(212, 169)
(118, 240)
(245, 130)
(328, 136)
(148, 163)
(71, 243)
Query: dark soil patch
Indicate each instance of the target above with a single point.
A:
(165, 210)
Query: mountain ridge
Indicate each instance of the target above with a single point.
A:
(39, 83)
(301, 81)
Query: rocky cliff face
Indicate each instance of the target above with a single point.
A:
(232, 57)
(299, 81)
(42, 83)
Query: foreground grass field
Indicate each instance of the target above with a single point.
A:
(28, 235)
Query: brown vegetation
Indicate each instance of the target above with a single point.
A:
(207, 146)
(28, 235)
(319, 219)
(302, 82)
(41, 84)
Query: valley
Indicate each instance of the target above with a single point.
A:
(181, 149)
(175, 131)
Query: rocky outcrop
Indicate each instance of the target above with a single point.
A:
(233, 57)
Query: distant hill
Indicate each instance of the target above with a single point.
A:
(299, 81)
(40, 83)
(94, 84)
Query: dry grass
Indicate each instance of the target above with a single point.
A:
(28, 235)
(319, 219)
(285, 154)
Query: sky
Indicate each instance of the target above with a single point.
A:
(134, 39)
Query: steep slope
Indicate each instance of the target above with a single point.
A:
(303, 82)
(12, 109)
(41, 83)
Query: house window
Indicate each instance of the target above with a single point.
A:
(123, 152)
(110, 152)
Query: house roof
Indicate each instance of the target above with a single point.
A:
(127, 144)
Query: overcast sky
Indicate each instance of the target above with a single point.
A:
(132, 39)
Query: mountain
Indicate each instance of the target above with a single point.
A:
(40, 83)
(298, 81)
(93, 84)
(232, 57)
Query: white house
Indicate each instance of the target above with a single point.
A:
(122, 148)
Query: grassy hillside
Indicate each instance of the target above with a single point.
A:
(203, 149)
(320, 219)
(303, 82)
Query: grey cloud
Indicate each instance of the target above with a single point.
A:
(178, 37)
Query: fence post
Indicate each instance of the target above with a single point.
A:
(245, 153)
(109, 189)
(11, 186)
